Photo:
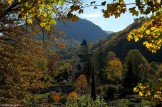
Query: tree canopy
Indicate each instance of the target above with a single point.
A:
(113, 69)
(133, 74)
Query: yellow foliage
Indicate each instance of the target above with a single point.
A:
(114, 69)
(151, 31)
(136, 38)
(140, 93)
(29, 21)
(135, 89)
(148, 93)
(148, 32)
(9, 1)
(130, 37)
(37, 10)
(154, 93)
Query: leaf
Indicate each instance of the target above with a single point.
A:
(117, 15)
(74, 8)
(29, 21)
(106, 15)
(121, 2)
(62, 2)
(75, 18)
(93, 2)
(95, 7)
(148, 32)
(69, 15)
(80, 11)
(133, 11)
(103, 3)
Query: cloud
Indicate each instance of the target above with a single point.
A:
(101, 22)
(91, 15)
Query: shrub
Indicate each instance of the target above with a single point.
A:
(111, 90)
(73, 95)
(85, 101)
(56, 97)
(81, 83)
(100, 90)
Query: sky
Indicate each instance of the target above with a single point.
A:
(108, 24)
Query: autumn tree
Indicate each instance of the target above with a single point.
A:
(113, 69)
(42, 12)
(37, 13)
(21, 73)
(23, 63)
(81, 83)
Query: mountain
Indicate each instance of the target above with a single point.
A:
(108, 32)
(81, 29)
(118, 43)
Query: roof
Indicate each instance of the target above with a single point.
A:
(83, 42)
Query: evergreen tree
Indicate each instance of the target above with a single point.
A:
(133, 75)
(129, 80)
(99, 63)
(93, 87)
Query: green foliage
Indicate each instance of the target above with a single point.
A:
(135, 57)
(85, 101)
(63, 69)
(133, 75)
(159, 71)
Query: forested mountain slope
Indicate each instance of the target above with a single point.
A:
(118, 43)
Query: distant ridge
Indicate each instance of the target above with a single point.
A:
(81, 29)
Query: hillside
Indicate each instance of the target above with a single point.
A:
(118, 43)
(81, 29)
